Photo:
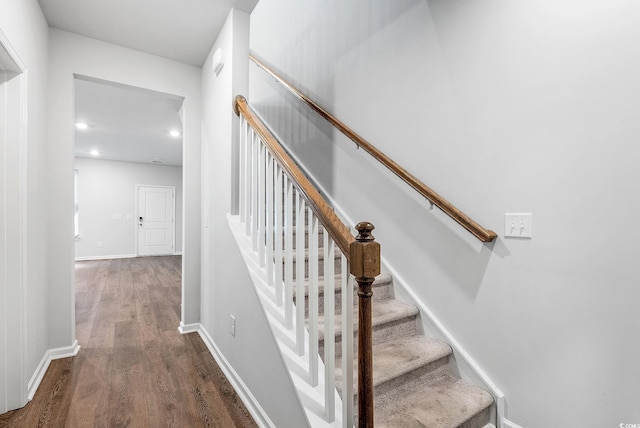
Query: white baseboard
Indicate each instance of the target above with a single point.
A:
(177, 253)
(50, 355)
(117, 256)
(506, 423)
(254, 408)
(189, 328)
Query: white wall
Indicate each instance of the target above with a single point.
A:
(25, 29)
(500, 106)
(226, 286)
(107, 204)
(73, 54)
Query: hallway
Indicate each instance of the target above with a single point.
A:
(134, 368)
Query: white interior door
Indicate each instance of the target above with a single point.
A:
(156, 223)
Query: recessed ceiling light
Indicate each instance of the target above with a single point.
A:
(95, 153)
(81, 125)
(174, 133)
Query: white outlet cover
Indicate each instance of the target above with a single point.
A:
(518, 225)
(233, 326)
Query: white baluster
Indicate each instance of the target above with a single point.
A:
(288, 255)
(347, 345)
(254, 190)
(329, 329)
(300, 265)
(241, 167)
(261, 204)
(313, 299)
(279, 234)
(269, 218)
(249, 182)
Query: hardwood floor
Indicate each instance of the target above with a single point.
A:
(134, 369)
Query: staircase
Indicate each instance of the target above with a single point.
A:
(412, 383)
(295, 239)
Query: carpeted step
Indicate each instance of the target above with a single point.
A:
(403, 363)
(337, 263)
(443, 402)
(390, 319)
(306, 238)
(381, 288)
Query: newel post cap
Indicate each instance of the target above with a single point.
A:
(365, 252)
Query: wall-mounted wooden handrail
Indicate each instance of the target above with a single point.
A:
(331, 222)
(484, 235)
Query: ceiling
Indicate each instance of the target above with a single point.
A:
(182, 30)
(127, 123)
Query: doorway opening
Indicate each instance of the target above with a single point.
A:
(125, 137)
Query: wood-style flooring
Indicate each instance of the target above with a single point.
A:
(134, 369)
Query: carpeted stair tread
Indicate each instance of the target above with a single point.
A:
(382, 312)
(337, 255)
(400, 357)
(382, 280)
(445, 402)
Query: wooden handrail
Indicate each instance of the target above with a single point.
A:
(331, 222)
(362, 252)
(484, 235)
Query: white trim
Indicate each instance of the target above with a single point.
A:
(506, 423)
(14, 346)
(177, 253)
(189, 328)
(24, 230)
(254, 408)
(117, 256)
(50, 355)
(11, 62)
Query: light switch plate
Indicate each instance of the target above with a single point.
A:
(518, 225)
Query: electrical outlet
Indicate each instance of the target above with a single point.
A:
(233, 326)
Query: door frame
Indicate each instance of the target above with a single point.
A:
(173, 210)
(14, 74)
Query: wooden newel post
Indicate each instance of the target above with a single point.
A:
(365, 266)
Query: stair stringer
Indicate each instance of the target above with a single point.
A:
(311, 399)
